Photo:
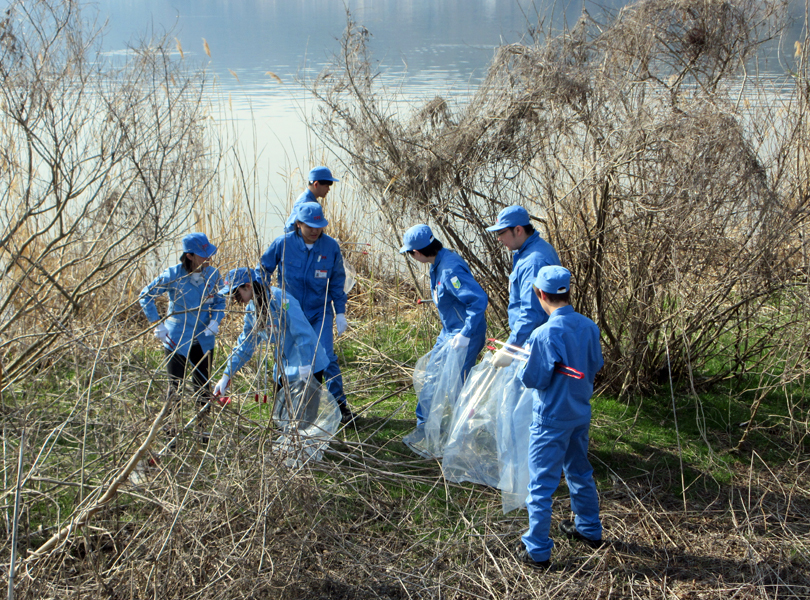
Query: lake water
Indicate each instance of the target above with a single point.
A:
(425, 47)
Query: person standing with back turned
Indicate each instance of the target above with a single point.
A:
(564, 357)
(531, 253)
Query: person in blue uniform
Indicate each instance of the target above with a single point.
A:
(320, 182)
(276, 317)
(564, 357)
(531, 253)
(310, 268)
(194, 313)
(460, 300)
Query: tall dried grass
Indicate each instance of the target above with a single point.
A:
(231, 519)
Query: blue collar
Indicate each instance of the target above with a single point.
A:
(562, 311)
(529, 241)
(439, 255)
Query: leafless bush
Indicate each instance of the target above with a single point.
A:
(673, 186)
(102, 161)
(231, 520)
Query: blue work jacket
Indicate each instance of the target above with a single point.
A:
(313, 277)
(461, 302)
(287, 329)
(306, 196)
(193, 304)
(568, 339)
(525, 313)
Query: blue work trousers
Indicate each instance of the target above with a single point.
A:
(552, 452)
(326, 338)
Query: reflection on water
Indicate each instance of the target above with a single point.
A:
(425, 47)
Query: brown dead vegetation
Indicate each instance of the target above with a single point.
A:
(672, 185)
(679, 206)
(232, 521)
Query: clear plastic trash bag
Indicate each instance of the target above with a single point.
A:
(514, 420)
(420, 373)
(437, 381)
(308, 418)
(351, 277)
(471, 452)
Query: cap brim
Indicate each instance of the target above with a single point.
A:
(496, 227)
(227, 290)
(319, 226)
(404, 249)
(211, 253)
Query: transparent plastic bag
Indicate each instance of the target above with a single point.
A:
(309, 418)
(514, 420)
(438, 378)
(420, 372)
(471, 452)
(351, 276)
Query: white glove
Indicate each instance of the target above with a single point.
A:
(341, 323)
(211, 329)
(460, 341)
(222, 386)
(501, 359)
(162, 333)
(304, 371)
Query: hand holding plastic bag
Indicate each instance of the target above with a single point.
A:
(502, 359)
(304, 371)
(211, 329)
(460, 341)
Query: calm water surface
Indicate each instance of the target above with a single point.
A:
(425, 47)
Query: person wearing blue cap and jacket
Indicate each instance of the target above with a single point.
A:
(460, 300)
(531, 253)
(320, 181)
(564, 357)
(310, 268)
(194, 313)
(276, 317)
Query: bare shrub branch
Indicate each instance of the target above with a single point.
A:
(654, 169)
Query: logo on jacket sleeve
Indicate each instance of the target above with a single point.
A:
(456, 283)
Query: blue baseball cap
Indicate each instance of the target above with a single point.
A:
(197, 243)
(553, 280)
(321, 174)
(234, 279)
(511, 216)
(417, 237)
(311, 213)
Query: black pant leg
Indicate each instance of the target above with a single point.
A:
(201, 363)
(176, 368)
